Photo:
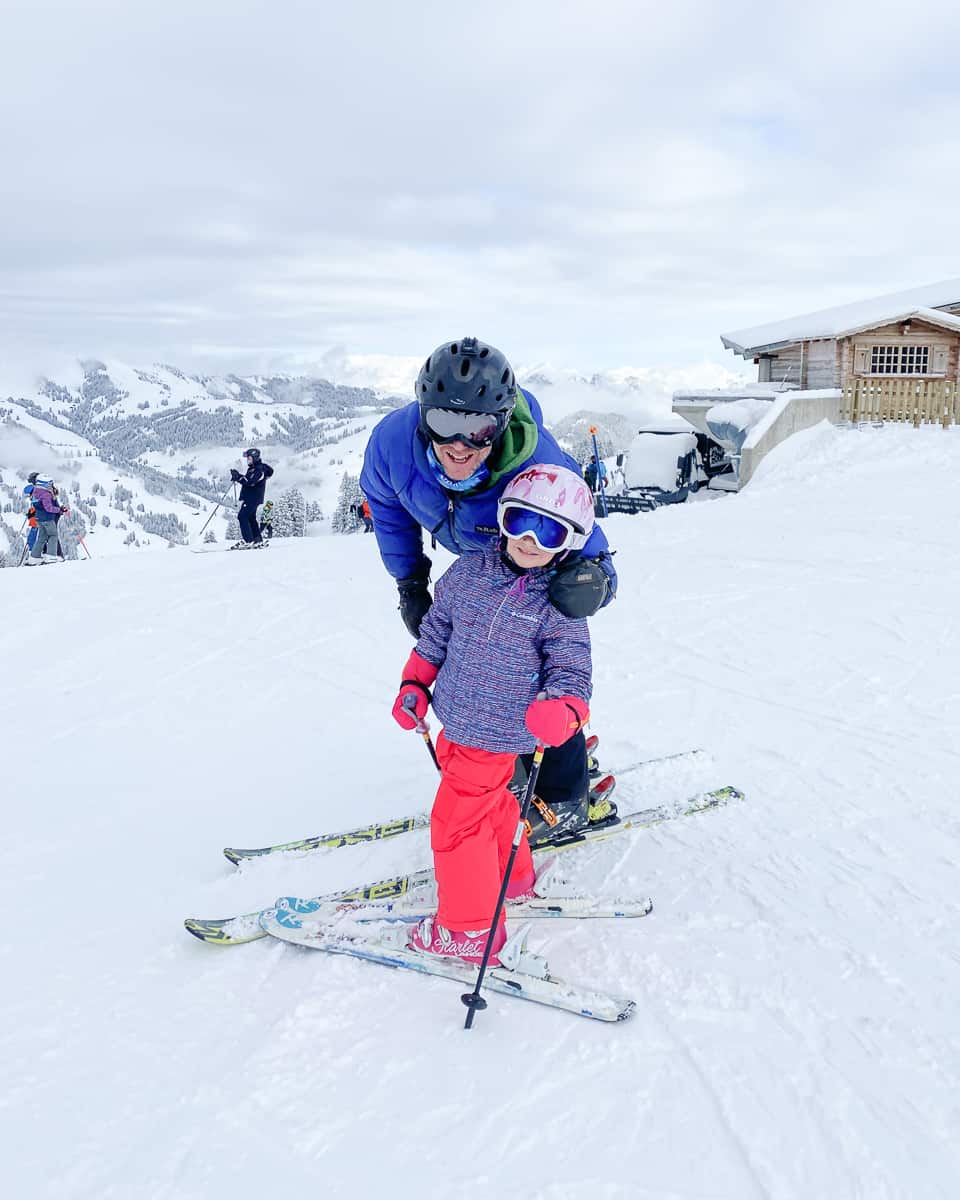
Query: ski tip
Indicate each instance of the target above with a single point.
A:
(210, 932)
(234, 856)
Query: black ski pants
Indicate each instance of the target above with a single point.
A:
(247, 520)
(563, 772)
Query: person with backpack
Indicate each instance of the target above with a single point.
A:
(252, 487)
(442, 464)
(366, 516)
(508, 670)
(48, 512)
(32, 529)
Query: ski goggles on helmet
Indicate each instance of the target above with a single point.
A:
(550, 533)
(478, 430)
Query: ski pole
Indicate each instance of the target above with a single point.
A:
(216, 506)
(473, 1000)
(596, 455)
(84, 545)
(422, 728)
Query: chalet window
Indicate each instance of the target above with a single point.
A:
(899, 360)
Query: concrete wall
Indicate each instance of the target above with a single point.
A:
(789, 413)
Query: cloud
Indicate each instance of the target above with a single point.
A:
(185, 182)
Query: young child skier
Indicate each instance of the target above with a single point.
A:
(509, 670)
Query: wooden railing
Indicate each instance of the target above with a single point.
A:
(917, 400)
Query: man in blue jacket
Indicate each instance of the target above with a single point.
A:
(440, 464)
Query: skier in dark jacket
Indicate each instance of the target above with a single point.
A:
(442, 464)
(252, 487)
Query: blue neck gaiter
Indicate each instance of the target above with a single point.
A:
(477, 479)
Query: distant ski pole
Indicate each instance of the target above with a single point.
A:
(422, 728)
(216, 506)
(473, 1000)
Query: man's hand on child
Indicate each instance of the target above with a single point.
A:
(552, 722)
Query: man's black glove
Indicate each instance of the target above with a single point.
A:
(579, 587)
(415, 598)
(235, 475)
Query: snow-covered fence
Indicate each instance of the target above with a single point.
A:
(922, 401)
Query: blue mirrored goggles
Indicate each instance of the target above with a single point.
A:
(478, 430)
(550, 533)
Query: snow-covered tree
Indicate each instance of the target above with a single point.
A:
(289, 515)
(345, 519)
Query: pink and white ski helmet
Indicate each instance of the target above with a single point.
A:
(556, 491)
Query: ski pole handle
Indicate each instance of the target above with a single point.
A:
(410, 704)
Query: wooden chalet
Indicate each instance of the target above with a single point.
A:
(895, 357)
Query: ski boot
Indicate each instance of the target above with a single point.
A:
(601, 810)
(593, 767)
(430, 937)
(551, 824)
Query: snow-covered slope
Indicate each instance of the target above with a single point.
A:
(145, 453)
(796, 1033)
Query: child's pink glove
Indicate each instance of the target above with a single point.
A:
(552, 722)
(418, 674)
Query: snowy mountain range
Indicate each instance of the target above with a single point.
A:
(145, 453)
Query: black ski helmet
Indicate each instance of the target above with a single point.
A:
(467, 376)
(254, 454)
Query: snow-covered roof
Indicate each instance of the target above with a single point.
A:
(850, 318)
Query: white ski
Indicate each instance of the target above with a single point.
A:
(528, 978)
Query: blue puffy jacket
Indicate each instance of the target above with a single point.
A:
(406, 496)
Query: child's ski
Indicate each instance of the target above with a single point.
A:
(235, 931)
(386, 944)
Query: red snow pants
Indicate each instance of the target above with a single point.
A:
(472, 826)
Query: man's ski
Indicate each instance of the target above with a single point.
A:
(294, 913)
(234, 931)
(386, 944)
(381, 830)
(377, 832)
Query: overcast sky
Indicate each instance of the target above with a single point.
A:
(244, 185)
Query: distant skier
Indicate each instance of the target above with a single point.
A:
(595, 473)
(492, 643)
(48, 511)
(252, 486)
(266, 520)
(31, 512)
(366, 516)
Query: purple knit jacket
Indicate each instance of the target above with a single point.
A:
(499, 642)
